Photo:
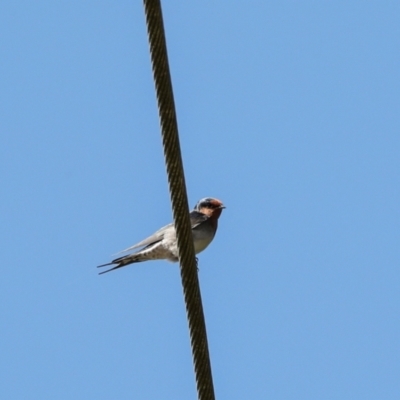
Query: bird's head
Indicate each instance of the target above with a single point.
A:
(210, 207)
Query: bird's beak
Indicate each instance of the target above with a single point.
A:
(222, 206)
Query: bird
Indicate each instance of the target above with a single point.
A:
(162, 245)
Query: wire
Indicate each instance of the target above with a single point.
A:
(176, 180)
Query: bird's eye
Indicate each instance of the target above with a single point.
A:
(208, 203)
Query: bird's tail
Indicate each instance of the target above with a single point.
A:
(121, 262)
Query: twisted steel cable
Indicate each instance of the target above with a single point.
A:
(176, 180)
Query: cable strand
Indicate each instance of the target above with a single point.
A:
(176, 180)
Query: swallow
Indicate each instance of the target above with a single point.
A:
(162, 245)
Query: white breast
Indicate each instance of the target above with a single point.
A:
(201, 240)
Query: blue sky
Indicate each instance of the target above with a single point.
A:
(288, 112)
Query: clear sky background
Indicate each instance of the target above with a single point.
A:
(289, 112)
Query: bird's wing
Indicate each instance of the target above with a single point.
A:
(196, 218)
(154, 238)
